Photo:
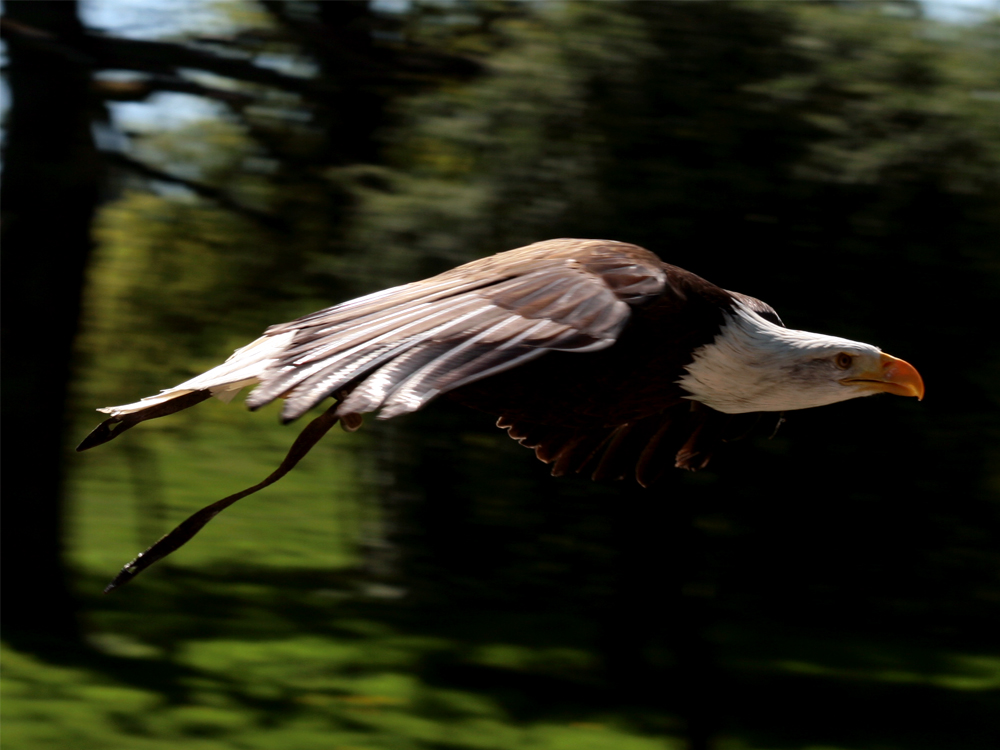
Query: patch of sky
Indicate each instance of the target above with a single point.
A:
(290, 65)
(157, 19)
(960, 11)
(160, 19)
(391, 6)
(164, 110)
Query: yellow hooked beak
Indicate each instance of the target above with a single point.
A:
(891, 376)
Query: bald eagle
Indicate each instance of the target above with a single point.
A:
(595, 353)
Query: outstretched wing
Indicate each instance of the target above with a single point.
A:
(415, 342)
(397, 349)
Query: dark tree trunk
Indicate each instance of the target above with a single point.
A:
(49, 194)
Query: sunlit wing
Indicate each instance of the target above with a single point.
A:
(414, 342)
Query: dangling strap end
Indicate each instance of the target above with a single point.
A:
(194, 523)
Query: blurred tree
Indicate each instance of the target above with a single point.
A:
(838, 161)
(51, 183)
(340, 92)
(801, 154)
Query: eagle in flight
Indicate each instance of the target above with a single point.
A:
(595, 353)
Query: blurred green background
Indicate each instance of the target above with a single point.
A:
(180, 174)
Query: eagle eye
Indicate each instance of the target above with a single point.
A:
(843, 360)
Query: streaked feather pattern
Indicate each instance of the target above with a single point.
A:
(417, 341)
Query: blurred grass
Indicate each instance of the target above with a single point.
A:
(301, 693)
(127, 495)
(262, 634)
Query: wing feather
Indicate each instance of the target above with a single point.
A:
(300, 376)
(397, 349)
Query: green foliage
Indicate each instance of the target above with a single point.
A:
(126, 498)
(296, 692)
(898, 100)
